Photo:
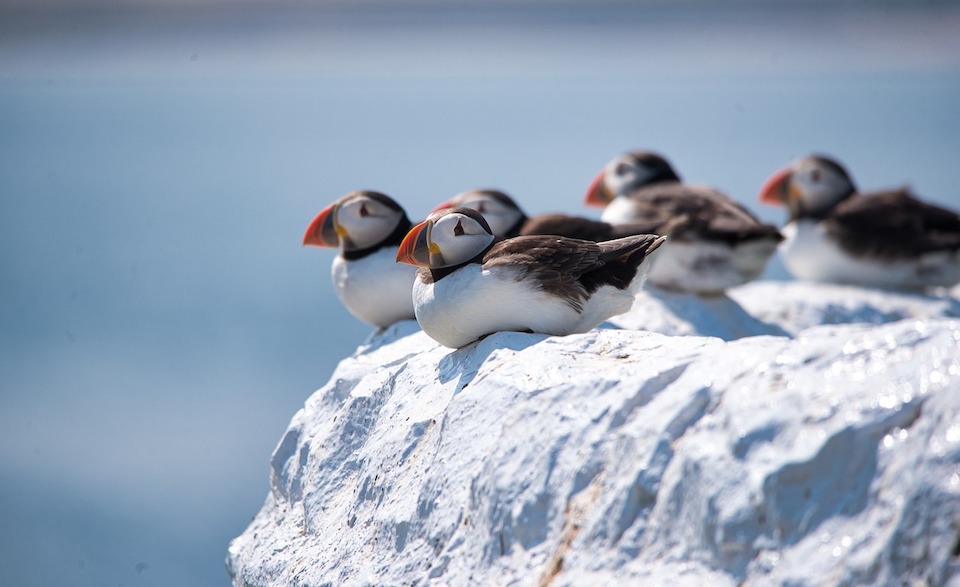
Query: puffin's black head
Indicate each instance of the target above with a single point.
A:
(446, 238)
(655, 168)
(500, 210)
(627, 172)
(358, 221)
(809, 187)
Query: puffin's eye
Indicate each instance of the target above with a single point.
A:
(481, 207)
(622, 168)
(815, 175)
(458, 229)
(363, 211)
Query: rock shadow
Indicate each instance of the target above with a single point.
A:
(465, 362)
(384, 336)
(718, 316)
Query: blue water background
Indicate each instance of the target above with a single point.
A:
(159, 320)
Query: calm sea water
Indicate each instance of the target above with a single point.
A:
(160, 322)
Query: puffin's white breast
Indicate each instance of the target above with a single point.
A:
(706, 267)
(809, 253)
(375, 289)
(620, 210)
(471, 302)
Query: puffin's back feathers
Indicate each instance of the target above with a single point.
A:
(892, 225)
(585, 228)
(573, 268)
(710, 214)
(622, 257)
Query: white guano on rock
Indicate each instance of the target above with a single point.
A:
(623, 457)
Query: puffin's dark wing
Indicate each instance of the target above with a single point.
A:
(547, 257)
(554, 263)
(621, 260)
(584, 228)
(892, 225)
(710, 214)
(620, 249)
(572, 268)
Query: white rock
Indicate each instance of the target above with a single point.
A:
(778, 308)
(796, 306)
(684, 314)
(623, 457)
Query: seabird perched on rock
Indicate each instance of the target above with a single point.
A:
(470, 284)
(720, 244)
(368, 227)
(887, 239)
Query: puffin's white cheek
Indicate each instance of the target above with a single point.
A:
(369, 230)
(499, 223)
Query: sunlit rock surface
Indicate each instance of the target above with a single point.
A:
(779, 308)
(798, 306)
(617, 456)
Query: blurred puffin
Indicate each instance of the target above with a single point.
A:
(368, 227)
(470, 284)
(507, 219)
(718, 245)
(886, 239)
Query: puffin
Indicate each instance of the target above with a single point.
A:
(886, 239)
(507, 219)
(368, 227)
(471, 284)
(716, 242)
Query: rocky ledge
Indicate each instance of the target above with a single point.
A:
(821, 454)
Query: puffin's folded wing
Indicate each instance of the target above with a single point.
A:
(893, 225)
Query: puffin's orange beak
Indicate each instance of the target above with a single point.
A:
(415, 249)
(443, 206)
(323, 231)
(598, 195)
(773, 191)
